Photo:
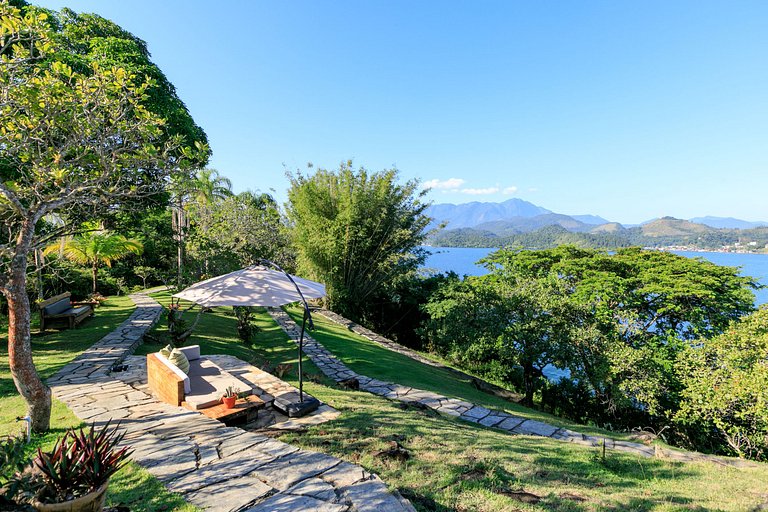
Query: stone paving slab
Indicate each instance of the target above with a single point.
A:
(213, 466)
(331, 366)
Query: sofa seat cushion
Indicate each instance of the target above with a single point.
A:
(208, 383)
(78, 310)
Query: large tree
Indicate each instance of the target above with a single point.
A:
(75, 142)
(356, 231)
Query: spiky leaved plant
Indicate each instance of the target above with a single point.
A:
(80, 462)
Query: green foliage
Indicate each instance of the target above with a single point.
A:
(95, 248)
(144, 273)
(16, 483)
(617, 323)
(235, 231)
(725, 382)
(356, 232)
(245, 326)
(80, 462)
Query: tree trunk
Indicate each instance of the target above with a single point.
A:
(28, 382)
(94, 271)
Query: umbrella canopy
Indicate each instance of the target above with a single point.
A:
(252, 286)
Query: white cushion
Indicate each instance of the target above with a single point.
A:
(192, 352)
(209, 382)
(177, 371)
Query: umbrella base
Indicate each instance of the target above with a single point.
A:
(290, 405)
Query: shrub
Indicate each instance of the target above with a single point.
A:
(79, 463)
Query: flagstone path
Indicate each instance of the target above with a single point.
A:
(213, 466)
(331, 366)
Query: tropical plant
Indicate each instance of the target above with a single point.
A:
(356, 231)
(95, 248)
(189, 195)
(725, 386)
(17, 484)
(80, 462)
(245, 326)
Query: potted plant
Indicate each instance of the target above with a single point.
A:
(230, 397)
(76, 472)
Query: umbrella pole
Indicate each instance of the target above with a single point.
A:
(301, 356)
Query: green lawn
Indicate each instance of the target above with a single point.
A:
(132, 486)
(367, 358)
(454, 465)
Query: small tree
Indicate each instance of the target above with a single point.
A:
(96, 248)
(144, 273)
(73, 144)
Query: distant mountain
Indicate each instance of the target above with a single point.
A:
(469, 215)
(517, 225)
(727, 222)
(609, 227)
(670, 226)
(591, 219)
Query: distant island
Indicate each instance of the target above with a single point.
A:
(518, 223)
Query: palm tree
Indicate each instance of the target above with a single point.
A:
(202, 189)
(96, 248)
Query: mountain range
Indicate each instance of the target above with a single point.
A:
(515, 216)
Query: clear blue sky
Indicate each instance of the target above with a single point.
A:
(628, 110)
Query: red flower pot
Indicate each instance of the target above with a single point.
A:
(229, 401)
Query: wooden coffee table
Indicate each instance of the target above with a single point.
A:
(245, 410)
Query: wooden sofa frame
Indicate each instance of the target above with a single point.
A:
(168, 386)
(70, 318)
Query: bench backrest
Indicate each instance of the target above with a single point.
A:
(53, 300)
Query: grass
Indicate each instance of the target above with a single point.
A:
(454, 465)
(132, 486)
(367, 358)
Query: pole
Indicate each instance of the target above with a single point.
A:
(307, 316)
(301, 356)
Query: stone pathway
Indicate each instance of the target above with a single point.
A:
(331, 366)
(213, 466)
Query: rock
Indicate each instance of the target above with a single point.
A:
(352, 383)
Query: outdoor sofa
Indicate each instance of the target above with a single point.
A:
(202, 387)
(61, 311)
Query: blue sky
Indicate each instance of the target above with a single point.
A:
(628, 110)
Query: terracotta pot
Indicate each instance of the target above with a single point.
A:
(229, 401)
(91, 502)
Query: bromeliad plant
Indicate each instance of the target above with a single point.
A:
(80, 462)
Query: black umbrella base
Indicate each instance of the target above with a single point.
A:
(290, 405)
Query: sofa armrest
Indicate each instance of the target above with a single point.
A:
(192, 352)
(164, 381)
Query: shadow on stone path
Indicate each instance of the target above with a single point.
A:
(331, 366)
(213, 466)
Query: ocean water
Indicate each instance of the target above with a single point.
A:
(463, 261)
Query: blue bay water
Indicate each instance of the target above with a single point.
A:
(462, 261)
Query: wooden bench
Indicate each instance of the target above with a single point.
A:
(61, 311)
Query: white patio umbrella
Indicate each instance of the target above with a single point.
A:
(258, 285)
